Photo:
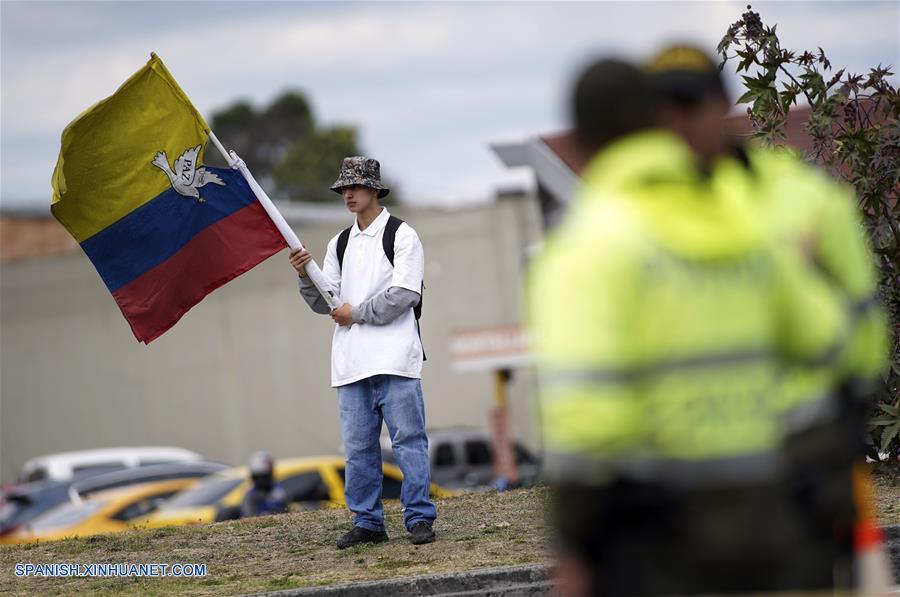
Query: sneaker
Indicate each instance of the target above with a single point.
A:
(360, 535)
(421, 533)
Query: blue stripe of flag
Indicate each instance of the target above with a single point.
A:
(158, 229)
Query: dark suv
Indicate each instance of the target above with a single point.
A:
(461, 458)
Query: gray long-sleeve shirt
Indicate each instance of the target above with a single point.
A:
(381, 309)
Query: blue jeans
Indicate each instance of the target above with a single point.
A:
(398, 402)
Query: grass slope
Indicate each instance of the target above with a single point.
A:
(297, 550)
(294, 550)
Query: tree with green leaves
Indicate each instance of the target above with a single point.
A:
(854, 125)
(309, 168)
(284, 148)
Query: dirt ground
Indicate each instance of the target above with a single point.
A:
(297, 549)
(886, 480)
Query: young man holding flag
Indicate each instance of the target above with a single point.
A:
(163, 230)
(376, 355)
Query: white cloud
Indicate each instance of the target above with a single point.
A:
(444, 79)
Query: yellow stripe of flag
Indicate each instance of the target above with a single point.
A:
(104, 170)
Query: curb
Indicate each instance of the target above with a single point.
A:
(530, 580)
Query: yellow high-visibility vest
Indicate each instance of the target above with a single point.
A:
(807, 212)
(663, 316)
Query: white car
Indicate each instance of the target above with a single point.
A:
(64, 465)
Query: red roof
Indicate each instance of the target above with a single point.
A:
(795, 136)
(566, 148)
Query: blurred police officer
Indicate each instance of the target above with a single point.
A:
(810, 214)
(802, 208)
(663, 317)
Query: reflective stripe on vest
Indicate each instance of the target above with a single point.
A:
(619, 376)
(691, 474)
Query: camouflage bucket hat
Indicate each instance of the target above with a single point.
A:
(363, 171)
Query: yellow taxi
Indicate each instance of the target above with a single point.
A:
(310, 483)
(107, 511)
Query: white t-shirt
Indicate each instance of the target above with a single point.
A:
(363, 350)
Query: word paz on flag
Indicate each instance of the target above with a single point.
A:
(162, 229)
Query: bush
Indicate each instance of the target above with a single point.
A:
(855, 134)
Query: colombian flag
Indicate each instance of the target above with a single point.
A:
(162, 229)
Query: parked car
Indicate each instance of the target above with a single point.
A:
(108, 511)
(23, 503)
(144, 474)
(64, 465)
(462, 458)
(310, 483)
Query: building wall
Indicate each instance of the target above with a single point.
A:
(24, 237)
(248, 368)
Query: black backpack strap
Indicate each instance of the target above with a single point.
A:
(417, 310)
(343, 238)
(387, 243)
(390, 235)
(419, 329)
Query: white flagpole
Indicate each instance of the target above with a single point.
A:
(312, 269)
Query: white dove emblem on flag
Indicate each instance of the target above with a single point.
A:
(186, 178)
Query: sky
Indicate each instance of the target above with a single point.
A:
(428, 84)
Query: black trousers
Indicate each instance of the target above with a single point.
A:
(640, 539)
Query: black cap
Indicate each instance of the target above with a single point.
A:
(685, 74)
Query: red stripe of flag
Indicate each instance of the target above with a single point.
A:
(155, 301)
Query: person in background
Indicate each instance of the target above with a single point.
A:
(663, 315)
(265, 496)
(808, 213)
(802, 209)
